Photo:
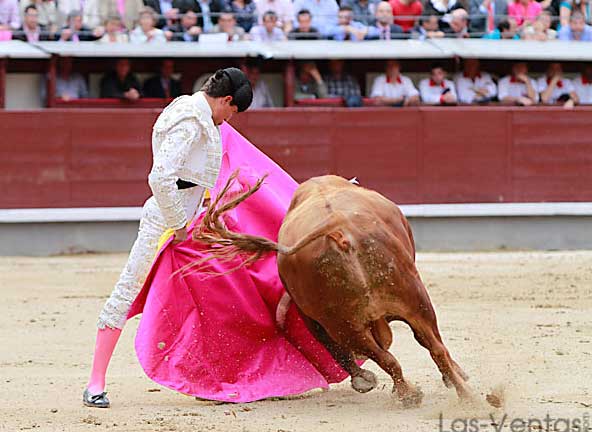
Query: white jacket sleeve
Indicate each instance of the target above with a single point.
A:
(172, 156)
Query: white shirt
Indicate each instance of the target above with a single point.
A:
(584, 91)
(465, 87)
(563, 86)
(186, 145)
(507, 87)
(431, 92)
(403, 87)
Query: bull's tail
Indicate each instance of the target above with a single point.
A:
(227, 244)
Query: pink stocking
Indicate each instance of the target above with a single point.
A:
(106, 340)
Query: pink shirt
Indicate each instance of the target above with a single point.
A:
(520, 13)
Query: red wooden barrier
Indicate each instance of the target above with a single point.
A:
(101, 157)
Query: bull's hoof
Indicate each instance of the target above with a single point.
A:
(447, 381)
(411, 398)
(364, 382)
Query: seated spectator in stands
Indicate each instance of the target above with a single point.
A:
(227, 24)
(437, 90)
(404, 11)
(304, 30)
(121, 82)
(146, 32)
(113, 32)
(31, 31)
(384, 29)
(261, 95)
(364, 10)
(486, 15)
(427, 28)
(75, 31)
(442, 9)
(524, 11)
(69, 85)
(245, 13)
(284, 11)
(567, 7)
(583, 86)
(309, 83)
(577, 29)
(323, 12)
(47, 13)
(348, 29)
(207, 11)
(518, 88)
(541, 29)
(268, 31)
(459, 24)
(96, 12)
(506, 29)
(474, 86)
(554, 88)
(394, 89)
(163, 85)
(341, 84)
(165, 11)
(10, 18)
(186, 30)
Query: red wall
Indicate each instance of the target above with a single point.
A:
(90, 157)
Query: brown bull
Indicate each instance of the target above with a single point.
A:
(351, 270)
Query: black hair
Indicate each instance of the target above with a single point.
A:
(304, 12)
(346, 8)
(28, 8)
(270, 13)
(503, 26)
(437, 65)
(230, 82)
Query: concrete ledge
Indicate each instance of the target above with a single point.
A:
(436, 227)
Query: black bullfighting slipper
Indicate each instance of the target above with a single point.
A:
(95, 401)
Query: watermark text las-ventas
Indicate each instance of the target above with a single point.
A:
(504, 422)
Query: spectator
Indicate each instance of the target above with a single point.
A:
(583, 86)
(206, 10)
(269, 31)
(284, 11)
(518, 88)
(245, 13)
(364, 10)
(186, 31)
(541, 29)
(227, 24)
(69, 86)
(384, 28)
(486, 15)
(473, 85)
(304, 30)
(31, 31)
(577, 29)
(347, 28)
(309, 83)
(47, 13)
(506, 29)
(261, 95)
(163, 85)
(394, 89)
(323, 12)
(66, 7)
(120, 82)
(524, 11)
(555, 88)
(437, 90)
(164, 10)
(341, 84)
(459, 24)
(566, 7)
(10, 18)
(442, 9)
(113, 31)
(146, 32)
(97, 11)
(403, 9)
(427, 28)
(75, 31)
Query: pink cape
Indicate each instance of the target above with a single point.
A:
(216, 337)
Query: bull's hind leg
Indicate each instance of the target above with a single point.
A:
(362, 380)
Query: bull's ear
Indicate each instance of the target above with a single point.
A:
(354, 181)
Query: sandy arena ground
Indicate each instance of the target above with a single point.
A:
(522, 321)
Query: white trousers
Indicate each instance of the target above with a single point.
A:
(131, 280)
